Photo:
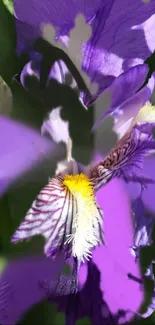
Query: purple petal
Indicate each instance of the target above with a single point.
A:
(126, 85)
(118, 42)
(119, 297)
(133, 189)
(50, 215)
(19, 285)
(122, 38)
(122, 106)
(115, 260)
(148, 195)
(21, 148)
(128, 111)
(145, 128)
(125, 161)
(64, 286)
(78, 306)
(110, 285)
(31, 15)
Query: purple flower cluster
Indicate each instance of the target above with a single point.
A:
(93, 218)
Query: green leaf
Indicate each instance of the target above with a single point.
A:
(67, 269)
(5, 221)
(9, 64)
(9, 5)
(43, 313)
(84, 321)
(3, 264)
(26, 108)
(59, 319)
(6, 102)
(34, 246)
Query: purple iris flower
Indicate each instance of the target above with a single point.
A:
(114, 297)
(122, 276)
(111, 47)
(66, 211)
(116, 250)
(133, 108)
(116, 164)
(127, 94)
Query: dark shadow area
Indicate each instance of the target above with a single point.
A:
(145, 249)
(49, 94)
(151, 63)
(9, 63)
(51, 54)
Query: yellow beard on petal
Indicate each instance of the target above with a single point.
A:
(87, 219)
(146, 114)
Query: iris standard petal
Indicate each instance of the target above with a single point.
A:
(31, 15)
(119, 40)
(122, 37)
(126, 105)
(125, 114)
(125, 85)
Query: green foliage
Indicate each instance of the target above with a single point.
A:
(9, 5)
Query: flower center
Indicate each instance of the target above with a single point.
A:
(146, 114)
(80, 186)
(87, 219)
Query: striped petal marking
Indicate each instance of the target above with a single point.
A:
(66, 214)
(124, 160)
